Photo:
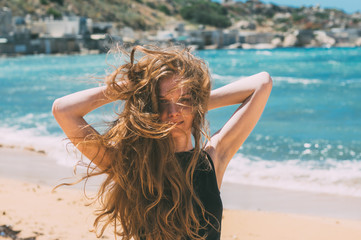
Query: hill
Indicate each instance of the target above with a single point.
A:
(139, 14)
(156, 14)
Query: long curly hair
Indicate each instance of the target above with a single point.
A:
(147, 192)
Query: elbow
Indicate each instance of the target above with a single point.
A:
(57, 108)
(266, 81)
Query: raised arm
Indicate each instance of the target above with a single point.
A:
(69, 112)
(253, 93)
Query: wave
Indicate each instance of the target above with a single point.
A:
(292, 80)
(281, 80)
(339, 177)
(225, 78)
(276, 79)
(264, 52)
(332, 176)
(33, 139)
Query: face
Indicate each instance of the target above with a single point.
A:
(175, 107)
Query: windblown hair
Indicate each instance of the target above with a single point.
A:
(148, 194)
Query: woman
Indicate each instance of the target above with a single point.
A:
(163, 170)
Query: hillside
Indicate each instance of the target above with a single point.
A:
(156, 14)
(139, 14)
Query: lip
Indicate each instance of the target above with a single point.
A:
(177, 123)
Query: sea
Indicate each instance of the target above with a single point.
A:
(308, 138)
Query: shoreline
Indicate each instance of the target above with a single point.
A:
(4, 56)
(29, 165)
(250, 212)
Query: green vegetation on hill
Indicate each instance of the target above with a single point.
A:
(139, 14)
(156, 14)
(207, 13)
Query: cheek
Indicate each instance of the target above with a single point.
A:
(162, 112)
(189, 120)
(163, 116)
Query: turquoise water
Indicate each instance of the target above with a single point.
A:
(308, 138)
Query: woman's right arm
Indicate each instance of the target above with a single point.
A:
(69, 112)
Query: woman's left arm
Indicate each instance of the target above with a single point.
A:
(252, 93)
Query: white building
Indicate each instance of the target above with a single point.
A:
(229, 2)
(60, 28)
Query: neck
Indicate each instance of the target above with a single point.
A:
(183, 144)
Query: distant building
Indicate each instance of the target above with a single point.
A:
(345, 36)
(255, 38)
(228, 2)
(85, 25)
(68, 26)
(102, 27)
(253, 1)
(5, 21)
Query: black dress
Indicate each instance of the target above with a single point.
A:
(206, 187)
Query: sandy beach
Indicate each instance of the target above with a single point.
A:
(28, 204)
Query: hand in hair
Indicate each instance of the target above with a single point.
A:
(69, 112)
(252, 92)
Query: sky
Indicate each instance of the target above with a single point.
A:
(349, 6)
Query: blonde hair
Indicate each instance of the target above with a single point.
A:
(147, 191)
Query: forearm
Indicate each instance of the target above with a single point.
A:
(80, 103)
(237, 92)
(69, 112)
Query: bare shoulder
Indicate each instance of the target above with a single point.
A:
(217, 164)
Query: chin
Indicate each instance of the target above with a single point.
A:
(179, 133)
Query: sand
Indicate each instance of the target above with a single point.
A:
(27, 203)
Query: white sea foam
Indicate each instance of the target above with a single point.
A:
(264, 52)
(225, 78)
(56, 147)
(353, 81)
(336, 177)
(339, 177)
(292, 80)
(276, 79)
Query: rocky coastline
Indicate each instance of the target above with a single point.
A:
(247, 25)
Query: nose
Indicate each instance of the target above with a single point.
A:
(173, 109)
